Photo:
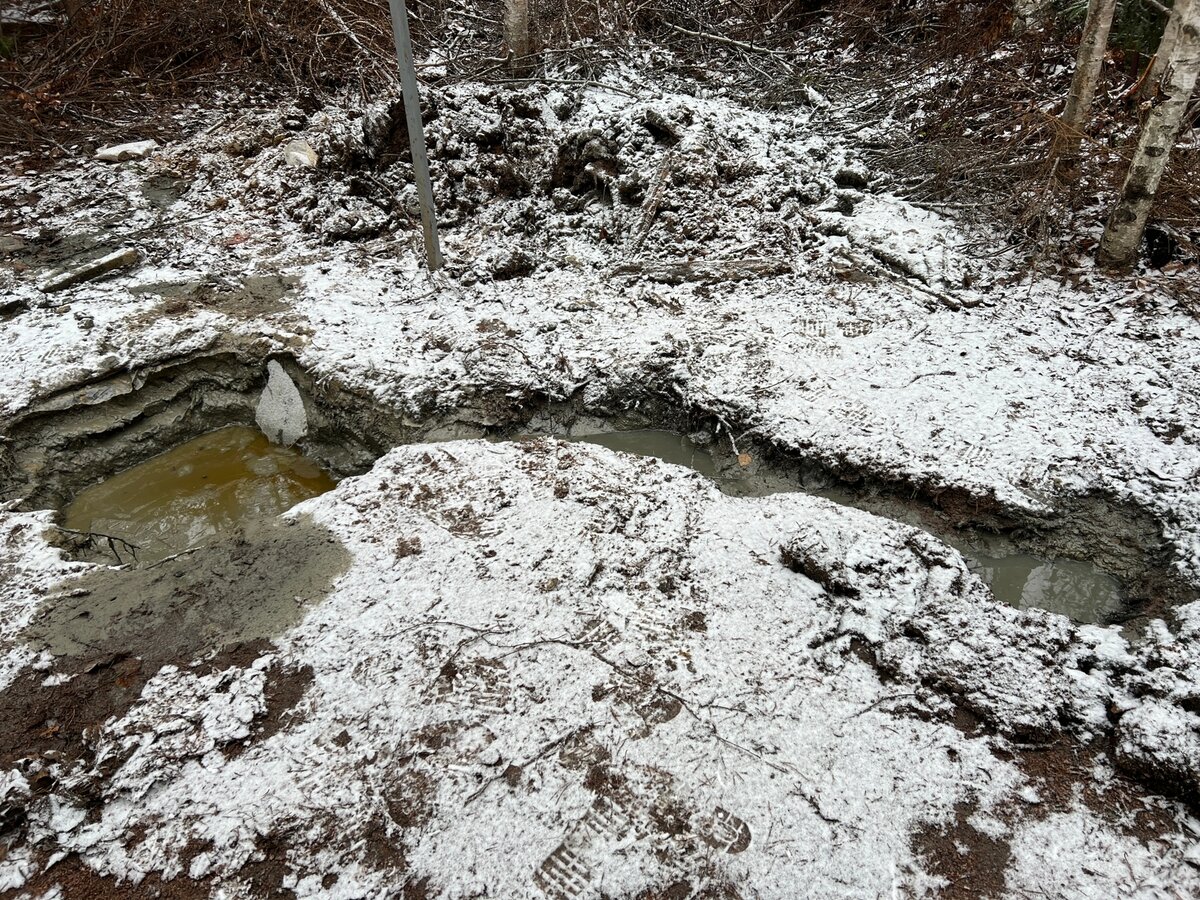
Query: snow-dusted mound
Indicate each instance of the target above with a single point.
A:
(551, 668)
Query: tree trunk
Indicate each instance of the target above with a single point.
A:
(516, 36)
(1123, 234)
(1166, 47)
(1087, 69)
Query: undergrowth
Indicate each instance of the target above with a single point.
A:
(971, 100)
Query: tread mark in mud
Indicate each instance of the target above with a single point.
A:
(567, 873)
(977, 455)
(853, 328)
(600, 634)
(817, 347)
(481, 685)
(653, 626)
(661, 708)
(563, 875)
(727, 832)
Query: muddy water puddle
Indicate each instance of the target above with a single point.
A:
(196, 492)
(1073, 588)
(207, 488)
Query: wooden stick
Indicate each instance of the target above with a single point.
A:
(416, 132)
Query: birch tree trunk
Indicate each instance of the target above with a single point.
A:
(1166, 47)
(516, 35)
(1126, 224)
(1088, 64)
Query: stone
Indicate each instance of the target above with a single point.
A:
(300, 155)
(281, 415)
(122, 152)
(853, 175)
(121, 259)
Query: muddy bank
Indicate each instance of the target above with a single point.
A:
(255, 583)
(73, 438)
(105, 635)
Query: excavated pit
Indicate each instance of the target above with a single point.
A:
(1094, 560)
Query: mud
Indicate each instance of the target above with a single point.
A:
(1069, 562)
(253, 297)
(971, 862)
(52, 722)
(253, 585)
(1080, 590)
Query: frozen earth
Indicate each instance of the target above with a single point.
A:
(544, 669)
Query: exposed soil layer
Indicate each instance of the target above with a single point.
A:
(80, 434)
(76, 881)
(971, 862)
(52, 721)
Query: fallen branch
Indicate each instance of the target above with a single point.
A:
(541, 754)
(112, 540)
(728, 42)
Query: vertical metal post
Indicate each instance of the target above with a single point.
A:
(416, 132)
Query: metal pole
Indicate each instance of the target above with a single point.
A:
(416, 132)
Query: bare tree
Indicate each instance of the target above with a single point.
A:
(1088, 64)
(516, 35)
(1166, 47)
(1127, 223)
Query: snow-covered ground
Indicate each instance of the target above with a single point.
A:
(550, 667)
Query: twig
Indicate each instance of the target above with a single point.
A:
(866, 709)
(112, 540)
(557, 742)
(567, 81)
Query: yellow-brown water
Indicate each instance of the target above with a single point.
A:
(196, 492)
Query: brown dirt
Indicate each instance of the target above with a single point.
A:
(972, 863)
(78, 882)
(1061, 770)
(256, 297)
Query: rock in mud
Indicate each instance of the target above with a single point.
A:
(853, 175)
(281, 415)
(516, 263)
(121, 259)
(123, 152)
(300, 155)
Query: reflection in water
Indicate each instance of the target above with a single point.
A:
(1073, 588)
(665, 445)
(1076, 589)
(200, 489)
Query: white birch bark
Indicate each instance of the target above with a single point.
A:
(1088, 63)
(1127, 223)
(1166, 47)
